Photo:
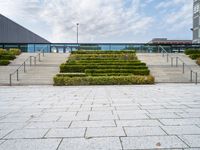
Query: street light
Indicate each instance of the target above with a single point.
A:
(77, 32)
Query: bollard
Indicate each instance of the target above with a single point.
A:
(191, 75)
(183, 68)
(176, 61)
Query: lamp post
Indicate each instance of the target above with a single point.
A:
(77, 32)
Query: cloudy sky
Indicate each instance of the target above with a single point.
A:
(102, 20)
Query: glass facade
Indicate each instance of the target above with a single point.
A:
(67, 47)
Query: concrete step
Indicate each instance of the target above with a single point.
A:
(44, 71)
(164, 72)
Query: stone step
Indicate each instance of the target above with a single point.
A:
(164, 72)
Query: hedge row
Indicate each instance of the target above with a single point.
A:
(110, 62)
(103, 80)
(7, 57)
(102, 52)
(194, 56)
(192, 51)
(82, 68)
(71, 75)
(132, 71)
(4, 62)
(198, 61)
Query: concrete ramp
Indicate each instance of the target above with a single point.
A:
(164, 72)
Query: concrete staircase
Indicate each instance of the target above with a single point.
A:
(165, 73)
(40, 74)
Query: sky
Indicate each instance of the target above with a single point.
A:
(130, 21)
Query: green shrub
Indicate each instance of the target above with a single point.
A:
(198, 61)
(103, 80)
(192, 51)
(4, 62)
(82, 68)
(3, 52)
(194, 56)
(135, 63)
(133, 71)
(15, 51)
(103, 57)
(110, 74)
(71, 75)
(7, 57)
(102, 52)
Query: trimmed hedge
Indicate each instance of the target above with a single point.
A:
(71, 75)
(133, 71)
(15, 51)
(102, 52)
(4, 62)
(198, 61)
(103, 80)
(192, 51)
(82, 68)
(194, 56)
(7, 57)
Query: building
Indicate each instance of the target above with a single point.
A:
(11, 32)
(166, 41)
(196, 21)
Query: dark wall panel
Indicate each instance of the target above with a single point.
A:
(11, 32)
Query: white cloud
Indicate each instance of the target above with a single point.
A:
(99, 19)
(177, 15)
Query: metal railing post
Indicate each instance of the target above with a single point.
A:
(24, 67)
(176, 61)
(196, 78)
(39, 57)
(191, 73)
(183, 68)
(172, 61)
(167, 57)
(17, 75)
(30, 60)
(10, 79)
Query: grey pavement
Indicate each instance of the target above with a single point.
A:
(140, 117)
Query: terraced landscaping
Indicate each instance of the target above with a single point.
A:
(194, 54)
(103, 68)
(6, 56)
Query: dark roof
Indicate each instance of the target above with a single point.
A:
(11, 32)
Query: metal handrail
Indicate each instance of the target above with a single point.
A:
(184, 65)
(29, 59)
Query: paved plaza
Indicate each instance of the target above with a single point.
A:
(162, 116)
